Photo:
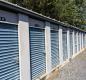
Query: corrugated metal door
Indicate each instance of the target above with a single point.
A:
(9, 65)
(79, 41)
(71, 43)
(54, 48)
(64, 38)
(75, 42)
(37, 52)
(84, 40)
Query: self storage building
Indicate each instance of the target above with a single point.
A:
(33, 45)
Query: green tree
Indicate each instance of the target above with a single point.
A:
(70, 11)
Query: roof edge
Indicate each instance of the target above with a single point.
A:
(20, 9)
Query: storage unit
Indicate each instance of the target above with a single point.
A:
(9, 52)
(75, 42)
(71, 42)
(84, 41)
(64, 39)
(54, 46)
(37, 50)
(33, 45)
(79, 41)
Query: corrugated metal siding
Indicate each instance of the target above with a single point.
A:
(9, 53)
(71, 43)
(37, 52)
(54, 48)
(64, 38)
(75, 42)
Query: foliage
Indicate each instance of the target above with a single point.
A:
(70, 11)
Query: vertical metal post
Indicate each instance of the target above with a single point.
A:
(73, 42)
(60, 45)
(68, 43)
(24, 50)
(48, 47)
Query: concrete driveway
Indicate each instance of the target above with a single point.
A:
(74, 70)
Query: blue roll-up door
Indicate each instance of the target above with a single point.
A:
(64, 38)
(79, 41)
(54, 48)
(84, 40)
(71, 43)
(37, 52)
(9, 53)
(75, 42)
